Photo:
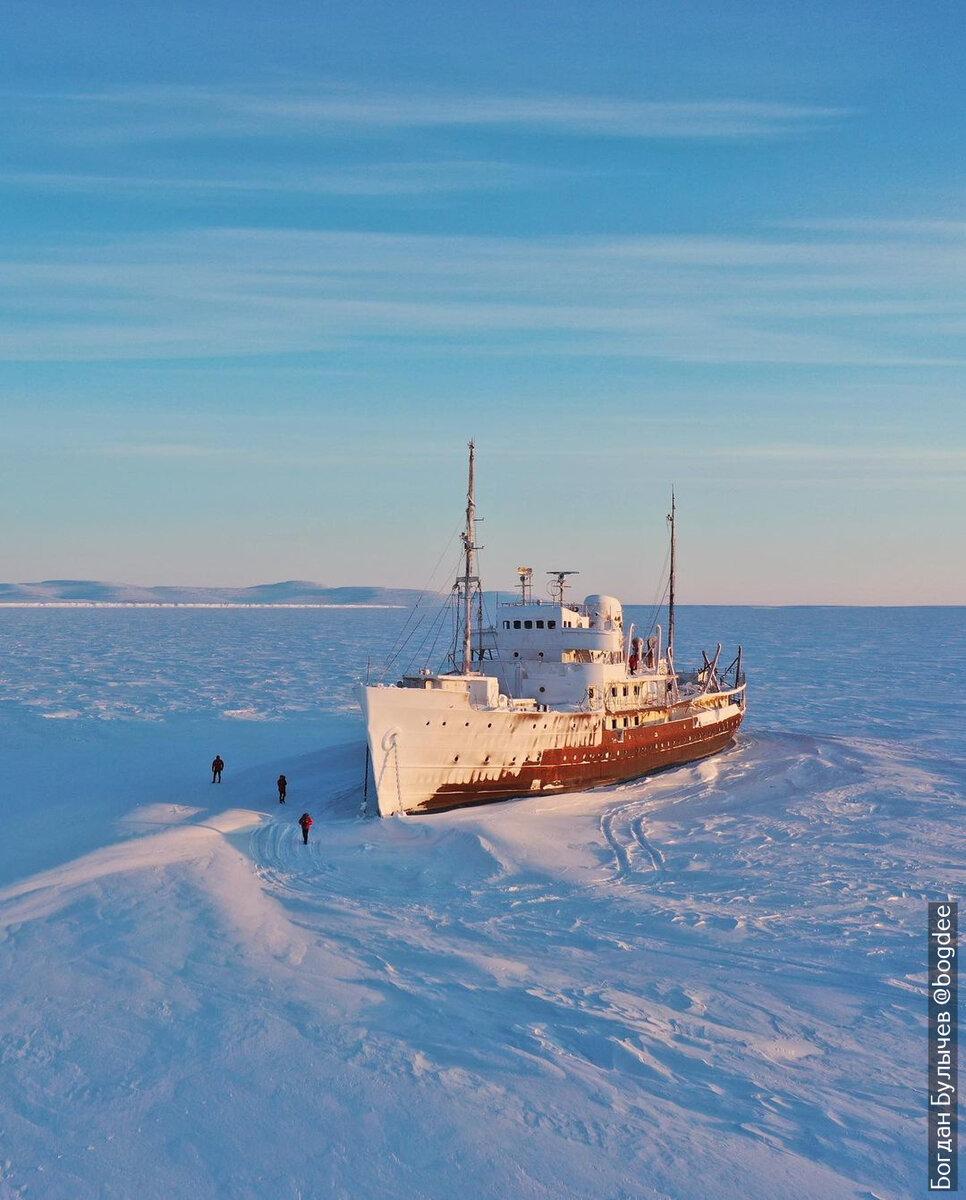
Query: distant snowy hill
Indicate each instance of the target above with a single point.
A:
(292, 591)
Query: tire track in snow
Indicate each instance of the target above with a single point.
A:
(628, 840)
(622, 827)
(655, 855)
(607, 823)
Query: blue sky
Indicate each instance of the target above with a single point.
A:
(264, 269)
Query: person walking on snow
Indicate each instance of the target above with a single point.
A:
(282, 786)
(306, 822)
(217, 766)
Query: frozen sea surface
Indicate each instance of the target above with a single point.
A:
(709, 983)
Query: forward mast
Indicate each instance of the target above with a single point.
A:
(471, 580)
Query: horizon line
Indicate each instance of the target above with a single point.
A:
(222, 604)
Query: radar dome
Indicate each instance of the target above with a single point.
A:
(606, 612)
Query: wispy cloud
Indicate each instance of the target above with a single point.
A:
(851, 455)
(158, 113)
(376, 179)
(782, 461)
(243, 292)
(570, 114)
(915, 229)
(165, 450)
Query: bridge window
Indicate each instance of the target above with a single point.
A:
(506, 624)
(527, 624)
(516, 624)
(551, 624)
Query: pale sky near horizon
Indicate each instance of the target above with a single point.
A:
(265, 269)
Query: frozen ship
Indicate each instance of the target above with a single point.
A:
(552, 696)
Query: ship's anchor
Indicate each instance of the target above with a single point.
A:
(390, 742)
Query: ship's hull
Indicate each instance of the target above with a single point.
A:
(548, 776)
(432, 752)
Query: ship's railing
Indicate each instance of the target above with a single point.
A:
(592, 656)
(726, 681)
(541, 601)
(690, 674)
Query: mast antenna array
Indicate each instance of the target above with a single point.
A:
(525, 575)
(559, 584)
(670, 594)
(470, 580)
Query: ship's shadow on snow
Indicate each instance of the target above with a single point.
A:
(327, 783)
(740, 823)
(760, 764)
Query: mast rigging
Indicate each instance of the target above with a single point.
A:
(670, 595)
(469, 575)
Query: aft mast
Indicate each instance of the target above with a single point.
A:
(670, 594)
(470, 578)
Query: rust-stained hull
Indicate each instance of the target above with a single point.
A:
(433, 749)
(641, 752)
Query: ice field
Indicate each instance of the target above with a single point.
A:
(709, 983)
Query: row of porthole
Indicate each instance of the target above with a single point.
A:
(636, 722)
(489, 725)
(487, 760)
(657, 746)
(637, 690)
(466, 724)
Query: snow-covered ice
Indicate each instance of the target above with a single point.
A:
(709, 983)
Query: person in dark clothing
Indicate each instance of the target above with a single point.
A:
(306, 822)
(217, 766)
(282, 788)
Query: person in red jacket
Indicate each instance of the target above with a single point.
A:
(306, 822)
